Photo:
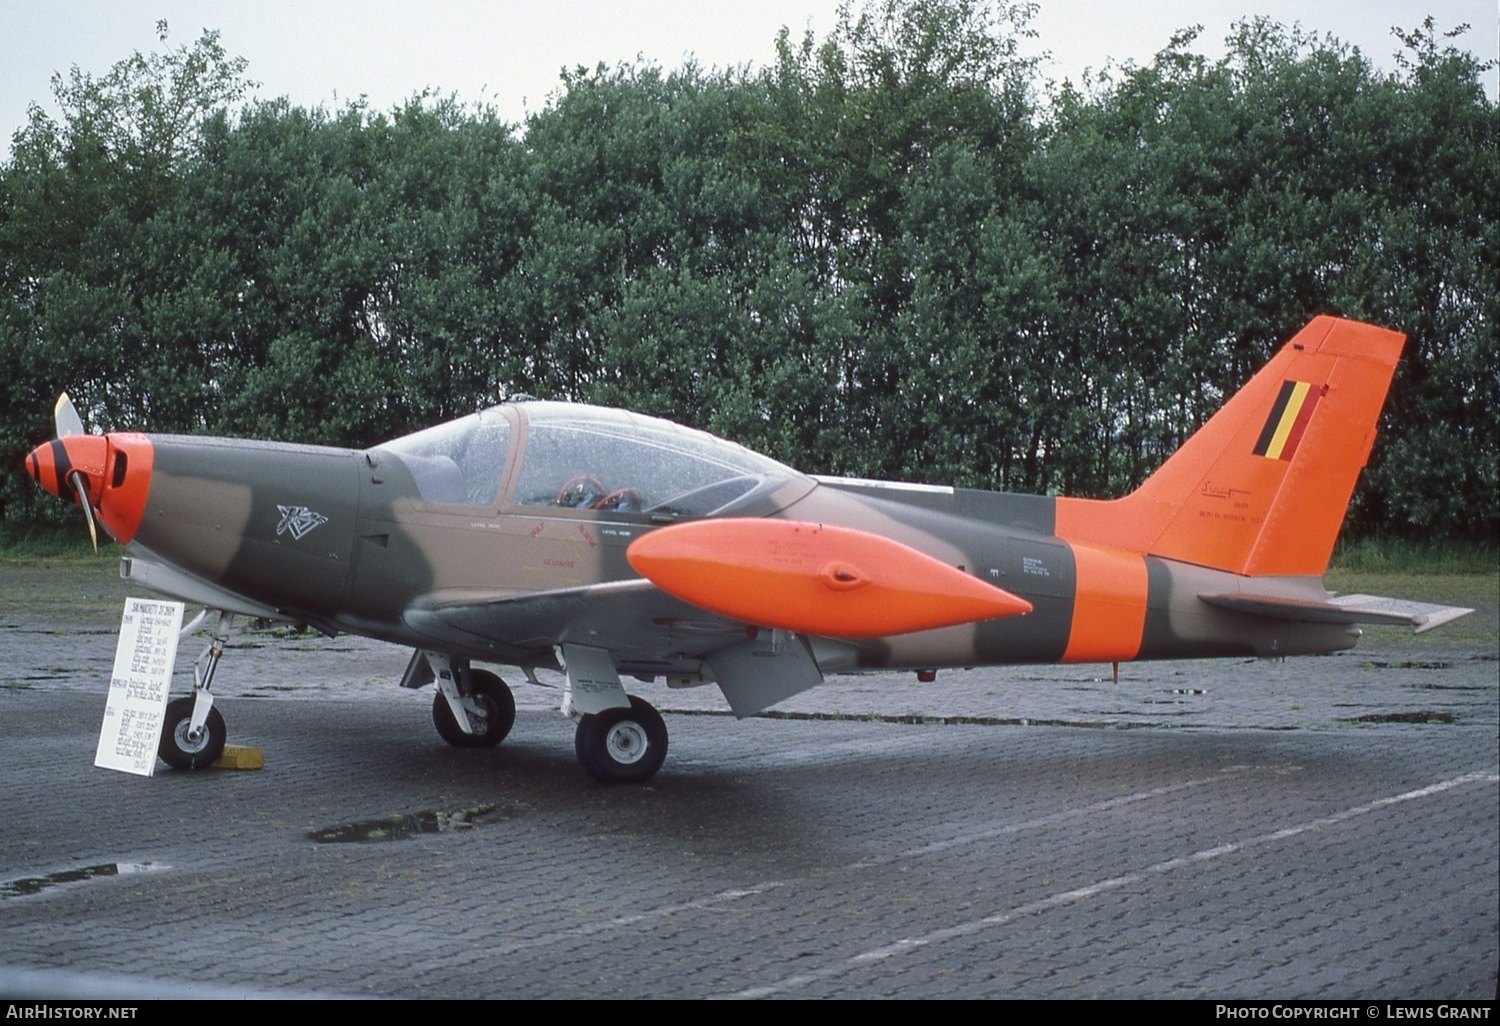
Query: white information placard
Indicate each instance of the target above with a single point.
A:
(139, 685)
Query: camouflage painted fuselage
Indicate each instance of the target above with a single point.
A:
(508, 534)
(345, 541)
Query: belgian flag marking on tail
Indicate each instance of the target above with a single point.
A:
(1288, 420)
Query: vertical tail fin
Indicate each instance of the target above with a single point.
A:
(1263, 486)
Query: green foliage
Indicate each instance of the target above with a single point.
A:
(882, 255)
(32, 540)
(146, 112)
(1407, 556)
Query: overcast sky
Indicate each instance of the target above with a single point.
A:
(508, 53)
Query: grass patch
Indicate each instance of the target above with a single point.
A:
(1405, 556)
(53, 541)
(1477, 632)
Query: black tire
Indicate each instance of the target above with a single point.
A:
(176, 750)
(500, 713)
(622, 745)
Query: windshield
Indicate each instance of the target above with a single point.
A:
(588, 457)
(459, 462)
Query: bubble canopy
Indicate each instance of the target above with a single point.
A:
(571, 456)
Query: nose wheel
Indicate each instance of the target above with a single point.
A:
(183, 744)
(182, 747)
(622, 745)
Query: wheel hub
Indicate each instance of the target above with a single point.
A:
(481, 710)
(190, 740)
(626, 742)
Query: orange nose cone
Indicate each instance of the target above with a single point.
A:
(813, 579)
(53, 463)
(41, 464)
(115, 470)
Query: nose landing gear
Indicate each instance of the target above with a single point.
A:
(193, 734)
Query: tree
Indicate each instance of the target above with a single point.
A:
(879, 256)
(73, 200)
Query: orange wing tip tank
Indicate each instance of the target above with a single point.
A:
(836, 582)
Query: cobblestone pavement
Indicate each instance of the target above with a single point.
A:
(1317, 828)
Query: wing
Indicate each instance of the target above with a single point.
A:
(760, 606)
(646, 630)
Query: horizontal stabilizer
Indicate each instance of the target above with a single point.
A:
(1351, 609)
(1424, 616)
(814, 579)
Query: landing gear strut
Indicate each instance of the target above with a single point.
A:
(619, 738)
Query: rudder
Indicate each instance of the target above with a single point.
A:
(1261, 488)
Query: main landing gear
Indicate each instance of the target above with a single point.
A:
(619, 738)
(491, 709)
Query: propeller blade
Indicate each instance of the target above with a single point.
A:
(66, 417)
(76, 480)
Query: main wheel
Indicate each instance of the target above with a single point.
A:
(622, 745)
(180, 751)
(497, 715)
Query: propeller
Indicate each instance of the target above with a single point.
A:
(109, 475)
(65, 415)
(67, 418)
